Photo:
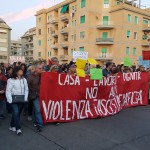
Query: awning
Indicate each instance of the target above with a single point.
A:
(64, 8)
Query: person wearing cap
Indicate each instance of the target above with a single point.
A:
(107, 70)
(54, 68)
(53, 61)
(72, 69)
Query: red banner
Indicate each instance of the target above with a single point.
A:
(66, 98)
(146, 55)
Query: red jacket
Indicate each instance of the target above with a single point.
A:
(3, 83)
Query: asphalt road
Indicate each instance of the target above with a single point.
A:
(128, 130)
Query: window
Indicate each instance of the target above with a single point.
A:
(105, 35)
(134, 51)
(49, 18)
(82, 35)
(136, 20)
(49, 54)
(106, 3)
(73, 23)
(73, 37)
(82, 49)
(145, 37)
(127, 50)
(39, 54)
(73, 8)
(129, 18)
(104, 52)
(39, 31)
(39, 20)
(3, 57)
(135, 35)
(105, 20)
(83, 3)
(39, 43)
(128, 34)
(145, 21)
(48, 30)
(82, 19)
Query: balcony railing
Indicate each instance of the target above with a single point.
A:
(146, 43)
(54, 46)
(64, 44)
(104, 57)
(64, 17)
(105, 25)
(64, 30)
(53, 20)
(105, 41)
(64, 57)
(146, 27)
(54, 33)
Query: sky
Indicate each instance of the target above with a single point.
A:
(19, 15)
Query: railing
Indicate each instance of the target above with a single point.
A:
(105, 24)
(64, 16)
(104, 56)
(64, 44)
(53, 20)
(103, 40)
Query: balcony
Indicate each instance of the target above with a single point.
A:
(53, 20)
(146, 43)
(104, 57)
(54, 46)
(64, 17)
(146, 28)
(104, 41)
(54, 33)
(64, 44)
(64, 30)
(105, 25)
(64, 57)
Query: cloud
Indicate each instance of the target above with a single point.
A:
(13, 17)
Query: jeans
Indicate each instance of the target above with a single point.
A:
(30, 108)
(2, 107)
(37, 111)
(16, 112)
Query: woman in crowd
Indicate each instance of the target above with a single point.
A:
(16, 90)
(3, 81)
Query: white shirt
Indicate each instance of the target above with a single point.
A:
(16, 87)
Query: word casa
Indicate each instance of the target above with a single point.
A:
(68, 80)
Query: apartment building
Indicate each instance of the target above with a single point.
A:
(16, 49)
(108, 30)
(28, 41)
(5, 36)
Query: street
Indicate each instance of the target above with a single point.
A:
(128, 130)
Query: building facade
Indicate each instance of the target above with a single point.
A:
(108, 30)
(5, 41)
(16, 49)
(28, 41)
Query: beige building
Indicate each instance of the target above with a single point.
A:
(16, 49)
(28, 41)
(5, 37)
(108, 29)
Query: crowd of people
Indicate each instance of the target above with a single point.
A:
(22, 82)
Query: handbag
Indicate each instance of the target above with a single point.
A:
(18, 99)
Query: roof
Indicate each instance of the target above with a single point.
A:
(3, 24)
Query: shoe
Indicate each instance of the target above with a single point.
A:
(2, 117)
(19, 132)
(29, 118)
(57, 124)
(39, 129)
(12, 129)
